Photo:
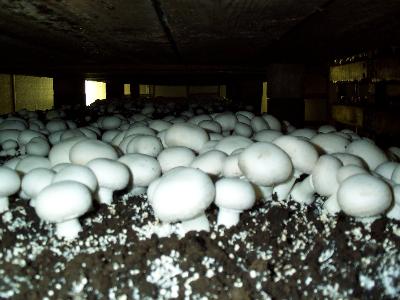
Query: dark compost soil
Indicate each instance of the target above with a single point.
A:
(278, 250)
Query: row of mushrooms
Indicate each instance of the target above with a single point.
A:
(184, 162)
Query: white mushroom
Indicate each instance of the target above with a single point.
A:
(364, 195)
(265, 164)
(304, 156)
(144, 169)
(368, 151)
(9, 185)
(210, 162)
(187, 135)
(232, 196)
(173, 157)
(111, 176)
(35, 181)
(182, 194)
(78, 173)
(231, 143)
(84, 151)
(62, 203)
(145, 144)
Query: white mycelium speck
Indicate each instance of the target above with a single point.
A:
(163, 274)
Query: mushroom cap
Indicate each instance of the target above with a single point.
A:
(350, 159)
(303, 154)
(31, 162)
(145, 144)
(38, 146)
(265, 164)
(307, 133)
(368, 151)
(36, 180)
(231, 166)
(144, 168)
(110, 174)
(266, 135)
(173, 157)
(272, 121)
(210, 126)
(258, 123)
(85, 151)
(330, 142)
(159, 125)
(9, 181)
(386, 169)
(324, 175)
(77, 173)
(364, 195)
(231, 143)
(63, 201)
(234, 193)
(210, 162)
(227, 120)
(110, 122)
(181, 194)
(59, 153)
(347, 171)
(187, 135)
(243, 129)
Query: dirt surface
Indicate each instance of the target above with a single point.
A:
(278, 250)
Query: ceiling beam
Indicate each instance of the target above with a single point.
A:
(162, 18)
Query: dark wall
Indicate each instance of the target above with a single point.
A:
(286, 92)
(69, 90)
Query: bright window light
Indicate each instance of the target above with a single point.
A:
(94, 90)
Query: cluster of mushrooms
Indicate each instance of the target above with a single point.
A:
(186, 161)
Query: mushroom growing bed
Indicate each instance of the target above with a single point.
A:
(278, 250)
(307, 226)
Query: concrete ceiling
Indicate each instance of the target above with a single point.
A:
(135, 33)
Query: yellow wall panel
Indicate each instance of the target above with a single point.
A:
(34, 93)
(6, 100)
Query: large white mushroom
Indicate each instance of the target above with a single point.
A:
(85, 151)
(364, 195)
(232, 196)
(35, 181)
(62, 203)
(173, 157)
(111, 176)
(144, 169)
(368, 151)
(187, 135)
(265, 164)
(210, 162)
(9, 185)
(182, 194)
(304, 156)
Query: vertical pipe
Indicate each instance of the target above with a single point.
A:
(13, 93)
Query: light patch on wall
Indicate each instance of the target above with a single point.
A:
(94, 90)
(33, 93)
(127, 89)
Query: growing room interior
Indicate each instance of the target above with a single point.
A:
(199, 149)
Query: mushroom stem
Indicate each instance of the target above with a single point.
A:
(303, 192)
(394, 212)
(263, 192)
(331, 205)
(228, 217)
(68, 229)
(32, 202)
(105, 195)
(138, 190)
(198, 223)
(282, 190)
(3, 204)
